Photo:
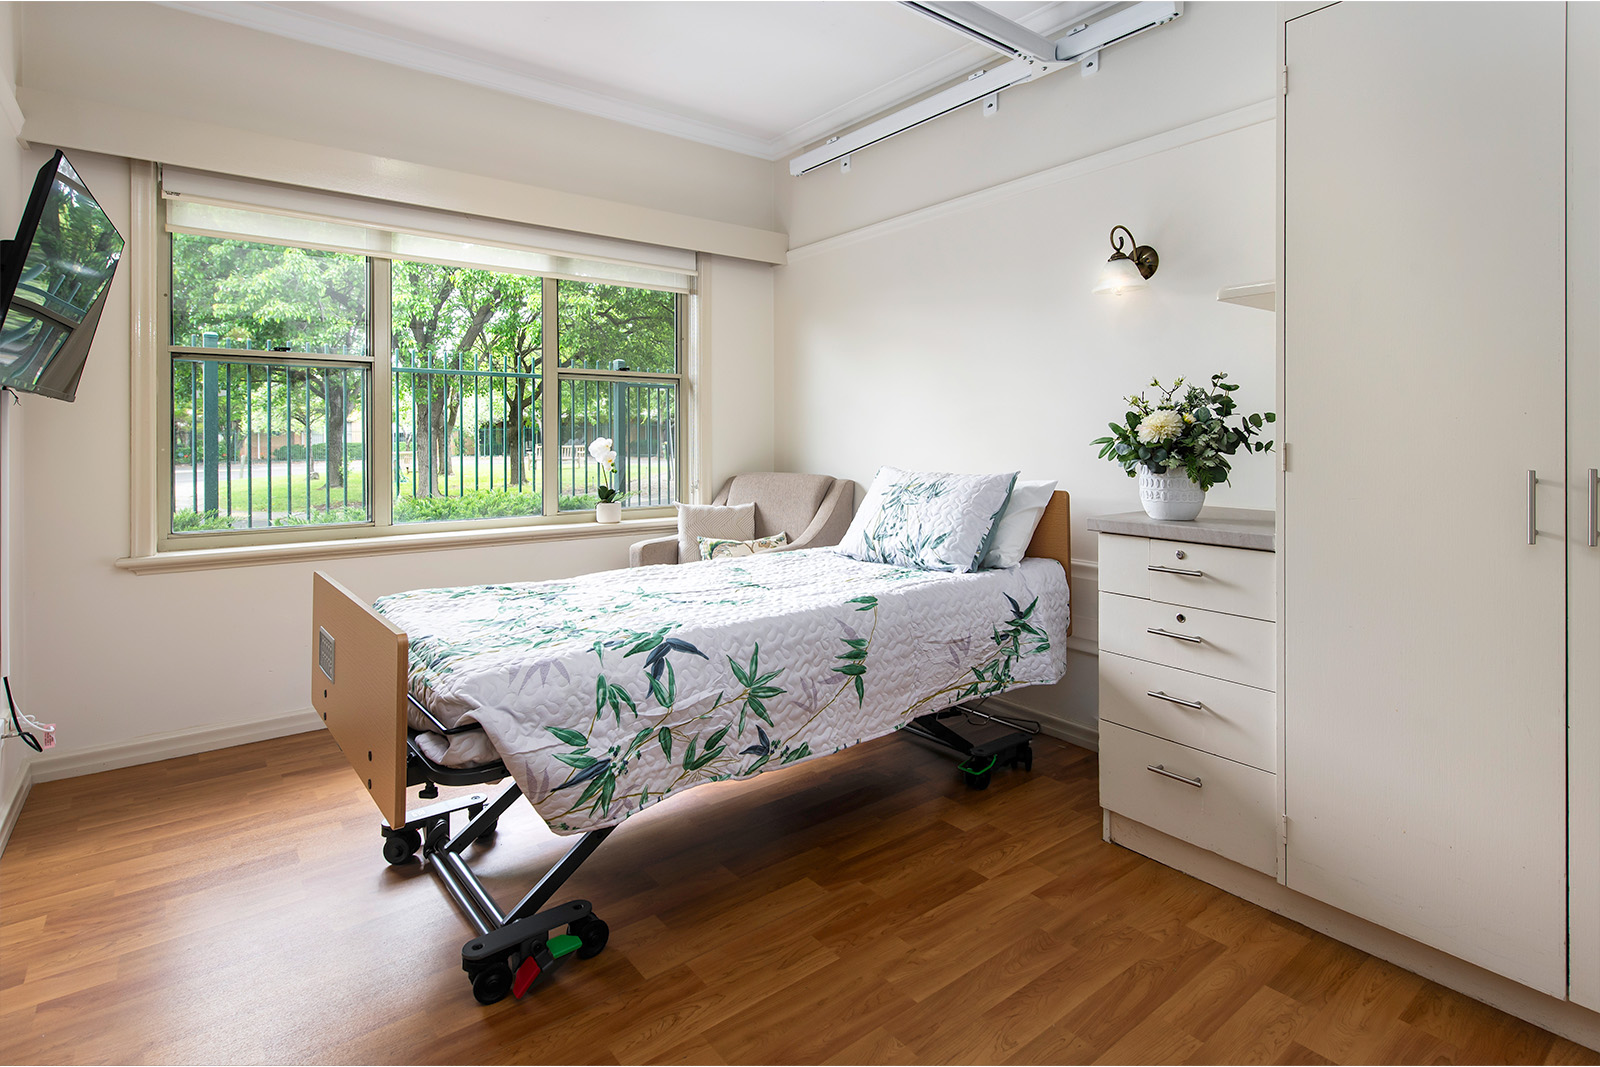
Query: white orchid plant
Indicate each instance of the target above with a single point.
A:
(605, 457)
(1187, 431)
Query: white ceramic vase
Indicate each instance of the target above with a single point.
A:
(611, 512)
(1172, 496)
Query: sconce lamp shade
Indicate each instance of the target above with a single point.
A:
(1119, 276)
(1129, 267)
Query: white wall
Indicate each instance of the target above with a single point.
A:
(961, 334)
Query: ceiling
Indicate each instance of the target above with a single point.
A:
(762, 77)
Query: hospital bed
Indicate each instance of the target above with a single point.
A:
(604, 694)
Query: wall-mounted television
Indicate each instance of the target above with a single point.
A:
(54, 278)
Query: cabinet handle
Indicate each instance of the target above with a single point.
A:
(1176, 570)
(1159, 632)
(1159, 695)
(1159, 769)
(1533, 507)
(1594, 507)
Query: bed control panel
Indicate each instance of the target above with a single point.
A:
(325, 652)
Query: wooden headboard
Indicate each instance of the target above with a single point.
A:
(1052, 538)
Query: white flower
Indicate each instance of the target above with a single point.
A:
(607, 460)
(599, 447)
(1159, 427)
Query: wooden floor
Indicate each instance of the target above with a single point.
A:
(865, 908)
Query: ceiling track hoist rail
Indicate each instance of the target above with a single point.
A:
(1031, 55)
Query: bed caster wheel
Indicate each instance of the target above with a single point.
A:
(438, 835)
(491, 984)
(593, 932)
(491, 829)
(400, 846)
(978, 781)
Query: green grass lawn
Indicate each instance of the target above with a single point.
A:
(476, 489)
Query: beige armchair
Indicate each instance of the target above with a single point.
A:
(813, 509)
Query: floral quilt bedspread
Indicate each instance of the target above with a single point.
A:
(609, 692)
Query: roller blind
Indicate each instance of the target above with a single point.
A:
(216, 206)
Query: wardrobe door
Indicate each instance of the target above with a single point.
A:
(1424, 319)
(1583, 421)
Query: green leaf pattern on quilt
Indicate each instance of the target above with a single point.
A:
(645, 736)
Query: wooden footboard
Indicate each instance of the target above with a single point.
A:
(358, 686)
(1052, 538)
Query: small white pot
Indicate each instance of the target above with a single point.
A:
(611, 512)
(1171, 496)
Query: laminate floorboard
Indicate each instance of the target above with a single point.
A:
(233, 907)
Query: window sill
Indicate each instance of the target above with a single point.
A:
(201, 559)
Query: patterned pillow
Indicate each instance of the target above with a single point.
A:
(718, 548)
(934, 522)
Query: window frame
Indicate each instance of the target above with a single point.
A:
(154, 355)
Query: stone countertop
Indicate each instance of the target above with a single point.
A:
(1229, 527)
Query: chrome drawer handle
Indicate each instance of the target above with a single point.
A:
(1159, 695)
(1533, 507)
(1159, 769)
(1594, 507)
(1176, 570)
(1159, 632)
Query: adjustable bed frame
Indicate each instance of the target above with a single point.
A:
(359, 681)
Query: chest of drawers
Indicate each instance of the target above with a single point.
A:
(1188, 712)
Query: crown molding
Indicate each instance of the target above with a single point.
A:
(301, 25)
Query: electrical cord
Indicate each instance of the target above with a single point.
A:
(17, 720)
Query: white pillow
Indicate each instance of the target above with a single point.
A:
(930, 521)
(734, 522)
(1016, 525)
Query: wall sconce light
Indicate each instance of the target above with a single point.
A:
(1128, 268)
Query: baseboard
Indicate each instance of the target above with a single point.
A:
(166, 746)
(1558, 1016)
(11, 807)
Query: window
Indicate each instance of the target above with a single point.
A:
(312, 383)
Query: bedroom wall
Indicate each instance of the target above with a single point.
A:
(936, 311)
(138, 667)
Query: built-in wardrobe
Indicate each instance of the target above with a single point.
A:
(1439, 302)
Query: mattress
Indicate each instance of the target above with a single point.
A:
(607, 693)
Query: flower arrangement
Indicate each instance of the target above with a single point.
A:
(1187, 431)
(605, 457)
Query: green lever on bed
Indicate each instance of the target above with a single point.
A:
(563, 945)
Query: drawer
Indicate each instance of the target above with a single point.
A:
(1230, 647)
(1238, 581)
(1232, 811)
(1234, 721)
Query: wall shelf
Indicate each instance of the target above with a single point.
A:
(1263, 295)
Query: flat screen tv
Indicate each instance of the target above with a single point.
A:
(53, 282)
